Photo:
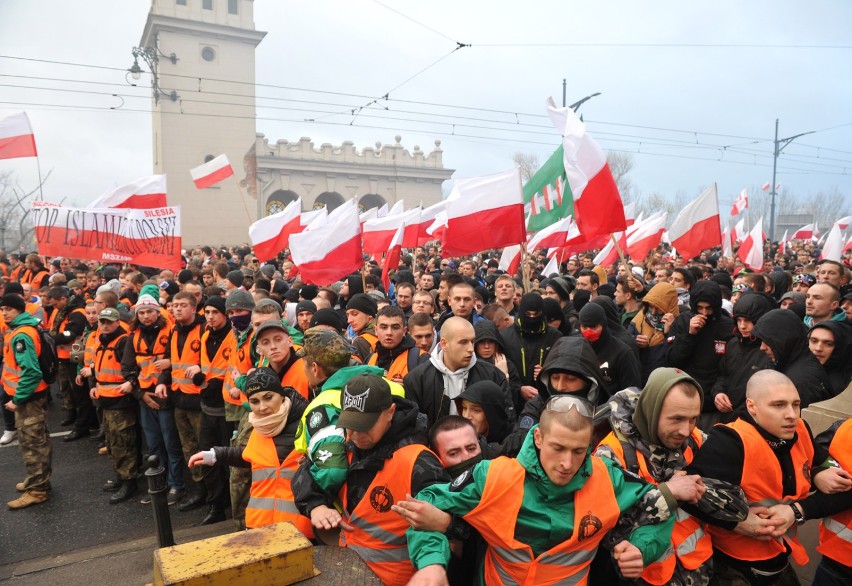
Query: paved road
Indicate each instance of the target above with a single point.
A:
(78, 514)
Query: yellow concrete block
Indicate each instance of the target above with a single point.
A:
(267, 556)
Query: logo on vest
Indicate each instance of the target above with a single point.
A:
(381, 499)
(589, 526)
(316, 420)
(226, 353)
(356, 402)
(806, 470)
(196, 345)
(164, 340)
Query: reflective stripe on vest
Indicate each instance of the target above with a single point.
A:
(145, 358)
(11, 372)
(835, 532)
(182, 360)
(240, 359)
(63, 351)
(217, 366)
(108, 376)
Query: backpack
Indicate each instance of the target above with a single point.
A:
(48, 361)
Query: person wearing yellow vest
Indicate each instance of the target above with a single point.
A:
(118, 404)
(388, 459)
(275, 415)
(396, 351)
(361, 316)
(544, 514)
(141, 364)
(769, 452)
(655, 436)
(23, 383)
(178, 383)
(67, 324)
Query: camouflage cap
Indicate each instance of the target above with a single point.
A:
(326, 348)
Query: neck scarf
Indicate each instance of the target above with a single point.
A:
(271, 425)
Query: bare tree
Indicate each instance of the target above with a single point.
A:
(621, 164)
(16, 229)
(528, 164)
(826, 208)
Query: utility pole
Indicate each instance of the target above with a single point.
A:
(564, 91)
(780, 145)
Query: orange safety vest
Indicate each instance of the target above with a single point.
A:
(690, 544)
(241, 360)
(31, 278)
(835, 532)
(181, 361)
(271, 497)
(508, 561)
(15, 274)
(762, 485)
(378, 535)
(11, 371)
(146, 357)
(108, 369)
(89, 349)
(217, 367)
(372, 339)
(399, 366)
(63, 351)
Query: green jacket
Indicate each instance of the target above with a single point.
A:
(26, 358)
(546, 516)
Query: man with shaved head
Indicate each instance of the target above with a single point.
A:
(452, 368)
(769, 452)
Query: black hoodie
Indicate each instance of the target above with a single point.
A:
(616, 328)
(700, 354)
(786, 336)
(490, 396)
(838, 367)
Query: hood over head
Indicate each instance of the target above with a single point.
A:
(646, 417)
(486, 330)
(709, 292)
(785, 334)
(752, 307)
(840, 358)
(664, 297)
(575, 355)
(489, 394)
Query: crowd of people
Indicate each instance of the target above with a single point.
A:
(635, 424)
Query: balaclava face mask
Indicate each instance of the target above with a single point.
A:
(531, 302)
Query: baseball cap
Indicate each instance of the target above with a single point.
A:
(326, 347)
(110, 314)
(272, 324)
(365, 396)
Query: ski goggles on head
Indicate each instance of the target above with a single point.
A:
(806, 279)
(564, 403)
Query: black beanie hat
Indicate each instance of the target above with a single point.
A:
(14, 287)
(308, 291)
(306, 305)
(218, 303)
(562, 287)
(363, 303)
(592, 314)
(236, 278)
(326, 317)
(13, 301)
(581, 298)
(530, 302)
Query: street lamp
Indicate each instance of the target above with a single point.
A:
(151, 57)
(576, 105)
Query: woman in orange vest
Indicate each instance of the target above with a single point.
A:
(835, 531)
(275, 415)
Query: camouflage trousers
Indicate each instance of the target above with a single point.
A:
(189, 429)
(65, 374)
(34, 440)
(122, 436)
(240, 480)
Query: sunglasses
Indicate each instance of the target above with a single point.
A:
(564, 403)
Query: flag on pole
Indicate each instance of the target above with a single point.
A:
(646, 236)
(782, 246)
(391, 261)
(16, 137)
(844, 222)
(751, 250)
(630, 213)
(833, 247)
(739, 231)
(806, 232)
(552, 266)
(310, 218)
(330, 251)
(488, 214)
(510, 260)
(377, 234)
(545, 193)
(144, 193)
(555, 235)
(211, 172)
(727, 248)
(765, 186)
(697, 226)
(741, 203)
(416, 233)
(598, 208)
(271, 235)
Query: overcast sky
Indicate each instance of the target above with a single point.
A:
(675, 105)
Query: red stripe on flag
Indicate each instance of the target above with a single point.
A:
(494, 228)
(600, 210)
(144, 202)
(338, 263)
(214, 177)
(703, 235)
(13, 147)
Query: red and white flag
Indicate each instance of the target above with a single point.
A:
(806, 232)
(630, 213)
(741, 203)
(646, 236)
(144, 193)
(313, 218)
(848, 246)
(391, 261)
(330, 251)
(833, 247)
(598, 208)
(552, 266)
(415, 234)
(782, 246)
(844, 223)
(488, 214)
(377, 234)
(609, 254)
(739, 231)
(766, 186)
(510, 260)
(697, 227)
(271, 235)
(727, 249)
(16, 137)
(555, 235)
(751, 250)
(211, 172)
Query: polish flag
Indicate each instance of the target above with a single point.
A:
(415, 234)
(598, 208)
(397, 208)
(766, 186)
(211, 172)
(552, 266)
(646, 236)
(727, 249)
(555, 235)
(271, 235)
(16, 137)
(697, 227)
(806, 232)
(609, 254)
(848, 246)
(144, 193)
(308, 218)
(844, 222)
(833, 247)
(510, 260)
(488, 214)
(739, 231)
(392, 258)
(370, 214)
(751, 250)
(377, 234)
(630, 213)
(740, 203)
(330, 251)
(782, 246)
